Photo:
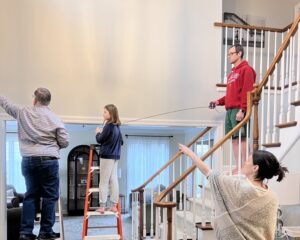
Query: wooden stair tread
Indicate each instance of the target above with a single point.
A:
(270, 145)
(206, 227)
(296, 103)
(285, 125)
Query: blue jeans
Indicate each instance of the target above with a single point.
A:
(42, 182)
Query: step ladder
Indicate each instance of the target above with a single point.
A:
(59, 217)
(90, 211)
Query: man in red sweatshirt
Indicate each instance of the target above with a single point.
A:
(239, 81)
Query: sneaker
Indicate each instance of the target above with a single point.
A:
(27, 237)
(48, 236)
(100, 210)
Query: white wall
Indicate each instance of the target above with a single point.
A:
(276, 13)
(291, 159)
(146, 57)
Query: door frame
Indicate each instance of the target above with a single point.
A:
(3, 206)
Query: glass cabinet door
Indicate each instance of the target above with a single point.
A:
(78, 160)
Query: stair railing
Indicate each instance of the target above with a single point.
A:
(253, 98)
(260, 43)
(280, 88)
(159, 203)
(144, 194)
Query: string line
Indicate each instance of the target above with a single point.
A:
(165, 113)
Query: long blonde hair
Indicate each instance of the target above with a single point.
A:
(114, 115)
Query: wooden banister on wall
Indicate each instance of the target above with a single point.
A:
(250, 27)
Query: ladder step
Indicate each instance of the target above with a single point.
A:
(95, 168)
(106, 213)
(103, 237)
(93, 190)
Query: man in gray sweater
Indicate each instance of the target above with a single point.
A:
(41, 135)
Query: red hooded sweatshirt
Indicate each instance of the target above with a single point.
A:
(239, 81)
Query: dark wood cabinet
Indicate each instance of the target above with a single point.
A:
(78, 159)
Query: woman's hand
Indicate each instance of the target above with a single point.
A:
(199, 163)
(98, 130)
(184, 149)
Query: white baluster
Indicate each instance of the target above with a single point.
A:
(209, 146)
(230, 156)
(262, 135)
(194, 202)
(165, 223)
(180, 184)
(247, 45)
(241, 36)
(233, 37)
(225, 57)
(144, 215)
(282, 76)
(275, 131)
(173, 179)
(151, 212)
(286, 78)
(239, 160)
(184, 209)
(157, 223)
(133, 216)
(262, 118)
(175, 224)
(159, 212)
(297, 96)
(261, 58)
(254, 50)
(203, 220)
(268, 134)
(247, 139)
(291, 73)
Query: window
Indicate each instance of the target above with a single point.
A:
(145, 155)
(13, 163)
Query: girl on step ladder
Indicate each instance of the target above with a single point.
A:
(110, 140)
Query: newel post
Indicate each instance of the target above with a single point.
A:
(256, 99)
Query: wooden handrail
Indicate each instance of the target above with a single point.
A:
(201, 134)
(230, 25)
(277, 58)
(159, 198)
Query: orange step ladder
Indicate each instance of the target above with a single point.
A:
(88, 211)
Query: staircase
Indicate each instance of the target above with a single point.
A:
(273, 107)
